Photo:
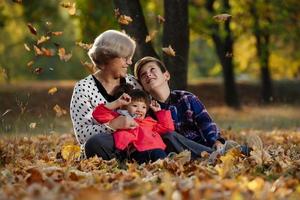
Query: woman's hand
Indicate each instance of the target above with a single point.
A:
(124, 100)
(123, 122)
(154, 105)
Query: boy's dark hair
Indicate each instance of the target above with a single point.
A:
(135, 94)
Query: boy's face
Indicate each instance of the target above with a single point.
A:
(137, 108)
(151, 77)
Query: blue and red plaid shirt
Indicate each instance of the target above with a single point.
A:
(191, 118)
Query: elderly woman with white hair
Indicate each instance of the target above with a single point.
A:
(111, 54)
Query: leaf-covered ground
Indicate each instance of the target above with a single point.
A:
(34, 168)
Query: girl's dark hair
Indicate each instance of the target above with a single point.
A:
(135, 94)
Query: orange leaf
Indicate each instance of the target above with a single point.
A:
(43, 39)
(52, 90)
(35, 176)
(84, 46)
(38, 51)
(63, 56)
(169, 51)
(57, 33)
(125, 20)
(32, 29)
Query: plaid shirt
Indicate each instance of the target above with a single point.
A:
(191, 119)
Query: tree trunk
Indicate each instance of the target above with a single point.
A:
(137, 29)
(176, 34)
(224, 49)
(263, 54)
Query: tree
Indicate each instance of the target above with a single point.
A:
(224, 47)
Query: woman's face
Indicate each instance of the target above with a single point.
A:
(151, 77)
(118, 67)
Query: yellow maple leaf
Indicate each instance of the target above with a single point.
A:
(69, 152)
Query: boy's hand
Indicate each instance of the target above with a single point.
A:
(124, 100)
(218, 145)
(154, 105)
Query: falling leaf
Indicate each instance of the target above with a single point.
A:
(37, 51)
(63, 56)
(222, 17)
(84, 46)
(59, 111)
(52, 90)
(43, 39)
(47, 52)
(124, 19)
(150, 36)
(30, 63)
(89, 66)
(169, 51)
(51, 69)
(117, 12)
(48, 23)
(7, 111)
(70, 152)
(27, 47)
(32, 29)
(38, 70)
(57, 33)
(71, 7)
(160, 19)
(228, 54)
(32, 125)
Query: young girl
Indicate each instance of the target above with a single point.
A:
(143, 143)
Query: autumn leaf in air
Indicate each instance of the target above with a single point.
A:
(84, 46)
(169, 51)
(57, 33)
(151, 36)
(124, 19)
(71, 7)
(52, 90)
(89, 66)
(32, 125)
(63, 55)
(117, 12)
(222, 17)
(43, 39)
(30, 63)
(38, 70)
(160, 19)
(59, 111)
(27, 47)
(32, 29)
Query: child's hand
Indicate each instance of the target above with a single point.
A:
(124, 100)
(154, 105)
(218, 145)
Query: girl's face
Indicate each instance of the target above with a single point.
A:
(137, 108)
(118, 67)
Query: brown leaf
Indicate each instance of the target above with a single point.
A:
(27, 47)
(63, 56)
(52, 90)
(38, 70)
(57, 33)
(71, 7)
(43, 39)
(222, 17)
(35, 176)
(84, 46)
(169, 51)
(47, 52)
(32, 29)
(125, 20)
(160, 19)
(38, 51)
(151, 36)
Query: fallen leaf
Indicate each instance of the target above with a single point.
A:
(125, 20)
(169, 51)
(32, 29)
(63, 56)
(222, 17)
(27, 47)
(43, 39)
(52, 90)
(70, 152)
(35, 176)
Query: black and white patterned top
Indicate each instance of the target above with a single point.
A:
(87, 94)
